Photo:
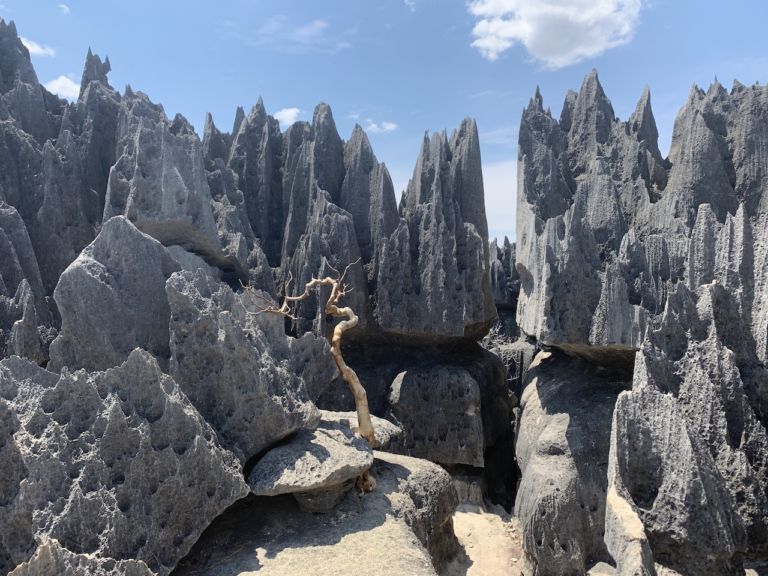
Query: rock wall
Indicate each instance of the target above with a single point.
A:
(626, 258)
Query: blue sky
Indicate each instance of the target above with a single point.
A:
(401, 67)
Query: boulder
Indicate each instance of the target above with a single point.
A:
(389, 436)
(113, 465)
(318, 466)
(236, 365)
(112, 299)
(404, 526)
(439, 411)
(562, 451)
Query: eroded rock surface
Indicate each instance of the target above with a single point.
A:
(434, 272)
(626, 258)
(562, 451)
(317, 466)
(113, 465)
(407, 520)
(112, 299)
(236, 367)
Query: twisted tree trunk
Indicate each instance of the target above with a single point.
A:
(338, 290)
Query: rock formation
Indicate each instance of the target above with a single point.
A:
(114, 464)
(626, 259)
(434, 274)
(236, 366)
(112, 299)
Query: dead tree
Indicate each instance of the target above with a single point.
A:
(338, 290)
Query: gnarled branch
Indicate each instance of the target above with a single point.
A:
(338, 290)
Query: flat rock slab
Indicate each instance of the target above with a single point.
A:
(393, 530)
(312, 460)
(388, 434)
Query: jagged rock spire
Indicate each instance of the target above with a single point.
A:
(94, 71)
(15, 63)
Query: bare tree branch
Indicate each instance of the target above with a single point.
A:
(338, 290)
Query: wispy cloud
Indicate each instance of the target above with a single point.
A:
(37, 49)
(557, 33)
(64, 86)
(279, 34)
(410, 4)
(64, 9)
(287, 116)
(504, 135)
(380, 127)
(354, 115)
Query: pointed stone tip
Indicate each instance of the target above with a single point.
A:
(322, 109)
(94, 70)
(538, 100)
(239, 117)
(359, 139)
(258, 110)
(716, 89)
(357, 131)
(323, 115)
(592, 84)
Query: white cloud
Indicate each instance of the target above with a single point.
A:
(500, 184)
(64, 87)
(64, 8)
(287, 116)
(557, 33)
(354, 115)
(411, 4)
(380, 127)
(37, 49)
(315, 36)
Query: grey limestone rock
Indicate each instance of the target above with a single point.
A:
(406, 524)
(113, 465)
(313, 161)
(317, 466)
(690, 388)
(94, 71)
(666, 503)
(64, 223)
(621, 250)
(368, 195)
(51, 559)
(25, 339)
(25, 100)
(159, 182)
(254, 156)
(327, 247)
(236, 366)
(112, 299)
(439, 410)
(562, 450)
(389, 436)
(434, 276)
